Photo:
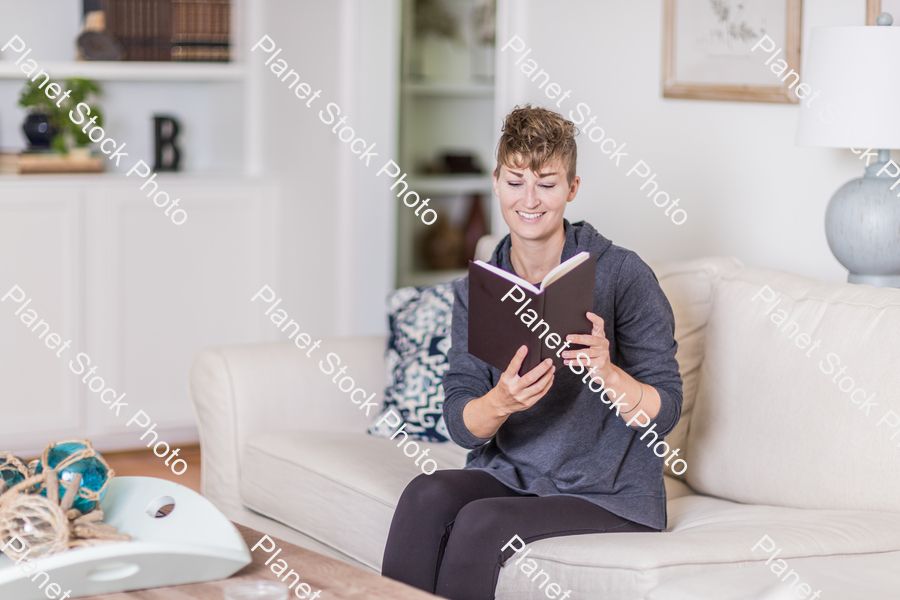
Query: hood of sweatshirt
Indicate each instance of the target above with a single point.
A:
(580, 237)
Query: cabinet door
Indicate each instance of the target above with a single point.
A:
(40, 252)
(159, 292)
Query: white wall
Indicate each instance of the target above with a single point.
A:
(302, 154)
(336, 221)
(748, 190)
(367, 271)
(60, 18)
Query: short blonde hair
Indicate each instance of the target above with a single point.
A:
(537, 137)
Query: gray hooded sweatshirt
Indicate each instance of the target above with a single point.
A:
(571, 442)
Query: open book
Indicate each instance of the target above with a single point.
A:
(506, 312)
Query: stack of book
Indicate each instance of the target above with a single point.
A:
(200, 30)
(41, 162)
(171, 30)
(142, 27)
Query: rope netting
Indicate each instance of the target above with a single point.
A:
(47, 524)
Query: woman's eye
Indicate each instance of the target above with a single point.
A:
(519, 184)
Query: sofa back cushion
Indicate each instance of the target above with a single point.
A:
(784, 413)
(689, 287)
(416, 360)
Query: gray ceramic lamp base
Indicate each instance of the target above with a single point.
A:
(862, 224)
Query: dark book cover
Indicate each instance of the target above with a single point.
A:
(498, 327)
(142, 27)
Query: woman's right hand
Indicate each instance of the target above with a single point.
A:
(484, 416)
(513, 393)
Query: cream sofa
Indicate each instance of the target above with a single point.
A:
(774, 448)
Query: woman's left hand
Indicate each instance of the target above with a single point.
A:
(597, 350)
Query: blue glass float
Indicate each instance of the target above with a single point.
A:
(12, 469)
(94, 473)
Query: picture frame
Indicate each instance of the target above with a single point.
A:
(875, 7)
(706, 49)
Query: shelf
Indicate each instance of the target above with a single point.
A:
(465, 89)
(132, 71)
(452, 185)
(117, 178)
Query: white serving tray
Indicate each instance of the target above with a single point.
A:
(194, 543)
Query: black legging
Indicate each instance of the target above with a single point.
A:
(449, 527)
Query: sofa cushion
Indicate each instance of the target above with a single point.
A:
(869, 576)
(416, 357)
(689, 288)
(705, 535)
(782, 414)
(347, 484)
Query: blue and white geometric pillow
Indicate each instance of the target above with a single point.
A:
(416, 360)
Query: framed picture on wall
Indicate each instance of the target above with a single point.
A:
(874, 7)
(707, 49)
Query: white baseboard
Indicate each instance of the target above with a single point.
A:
(119, 441)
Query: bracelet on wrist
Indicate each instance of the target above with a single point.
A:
(638, 402)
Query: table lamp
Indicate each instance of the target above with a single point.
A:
(854, 70)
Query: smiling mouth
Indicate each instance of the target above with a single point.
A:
(530, 216)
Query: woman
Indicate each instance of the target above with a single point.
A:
(549, 456)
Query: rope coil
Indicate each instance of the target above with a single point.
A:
(10, 463)
(47, 525)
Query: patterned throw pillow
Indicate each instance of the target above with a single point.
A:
(417, 349)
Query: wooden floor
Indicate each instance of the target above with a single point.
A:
(147, 464)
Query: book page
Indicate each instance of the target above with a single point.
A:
(564, 268)
(510, 277)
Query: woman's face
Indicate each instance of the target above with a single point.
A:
(533, 203)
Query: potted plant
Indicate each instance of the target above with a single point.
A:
(49, 126)
(43, 123)
(81, 89)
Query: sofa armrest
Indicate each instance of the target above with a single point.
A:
(239, 391)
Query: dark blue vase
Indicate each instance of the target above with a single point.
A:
(39, 131)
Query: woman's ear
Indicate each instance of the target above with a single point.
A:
(496, 189)
(573, 188)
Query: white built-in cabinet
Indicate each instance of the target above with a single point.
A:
(108, 269)
(138, 294)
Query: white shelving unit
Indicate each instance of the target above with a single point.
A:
(133, 71)
(107, 268)
(200, 94)
(450, 89)
(451, 185)
(442, 110)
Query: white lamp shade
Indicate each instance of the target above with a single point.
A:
(857, 71)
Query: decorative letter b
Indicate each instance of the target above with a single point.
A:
(167, 155)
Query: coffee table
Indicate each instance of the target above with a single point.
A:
(335, 578)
